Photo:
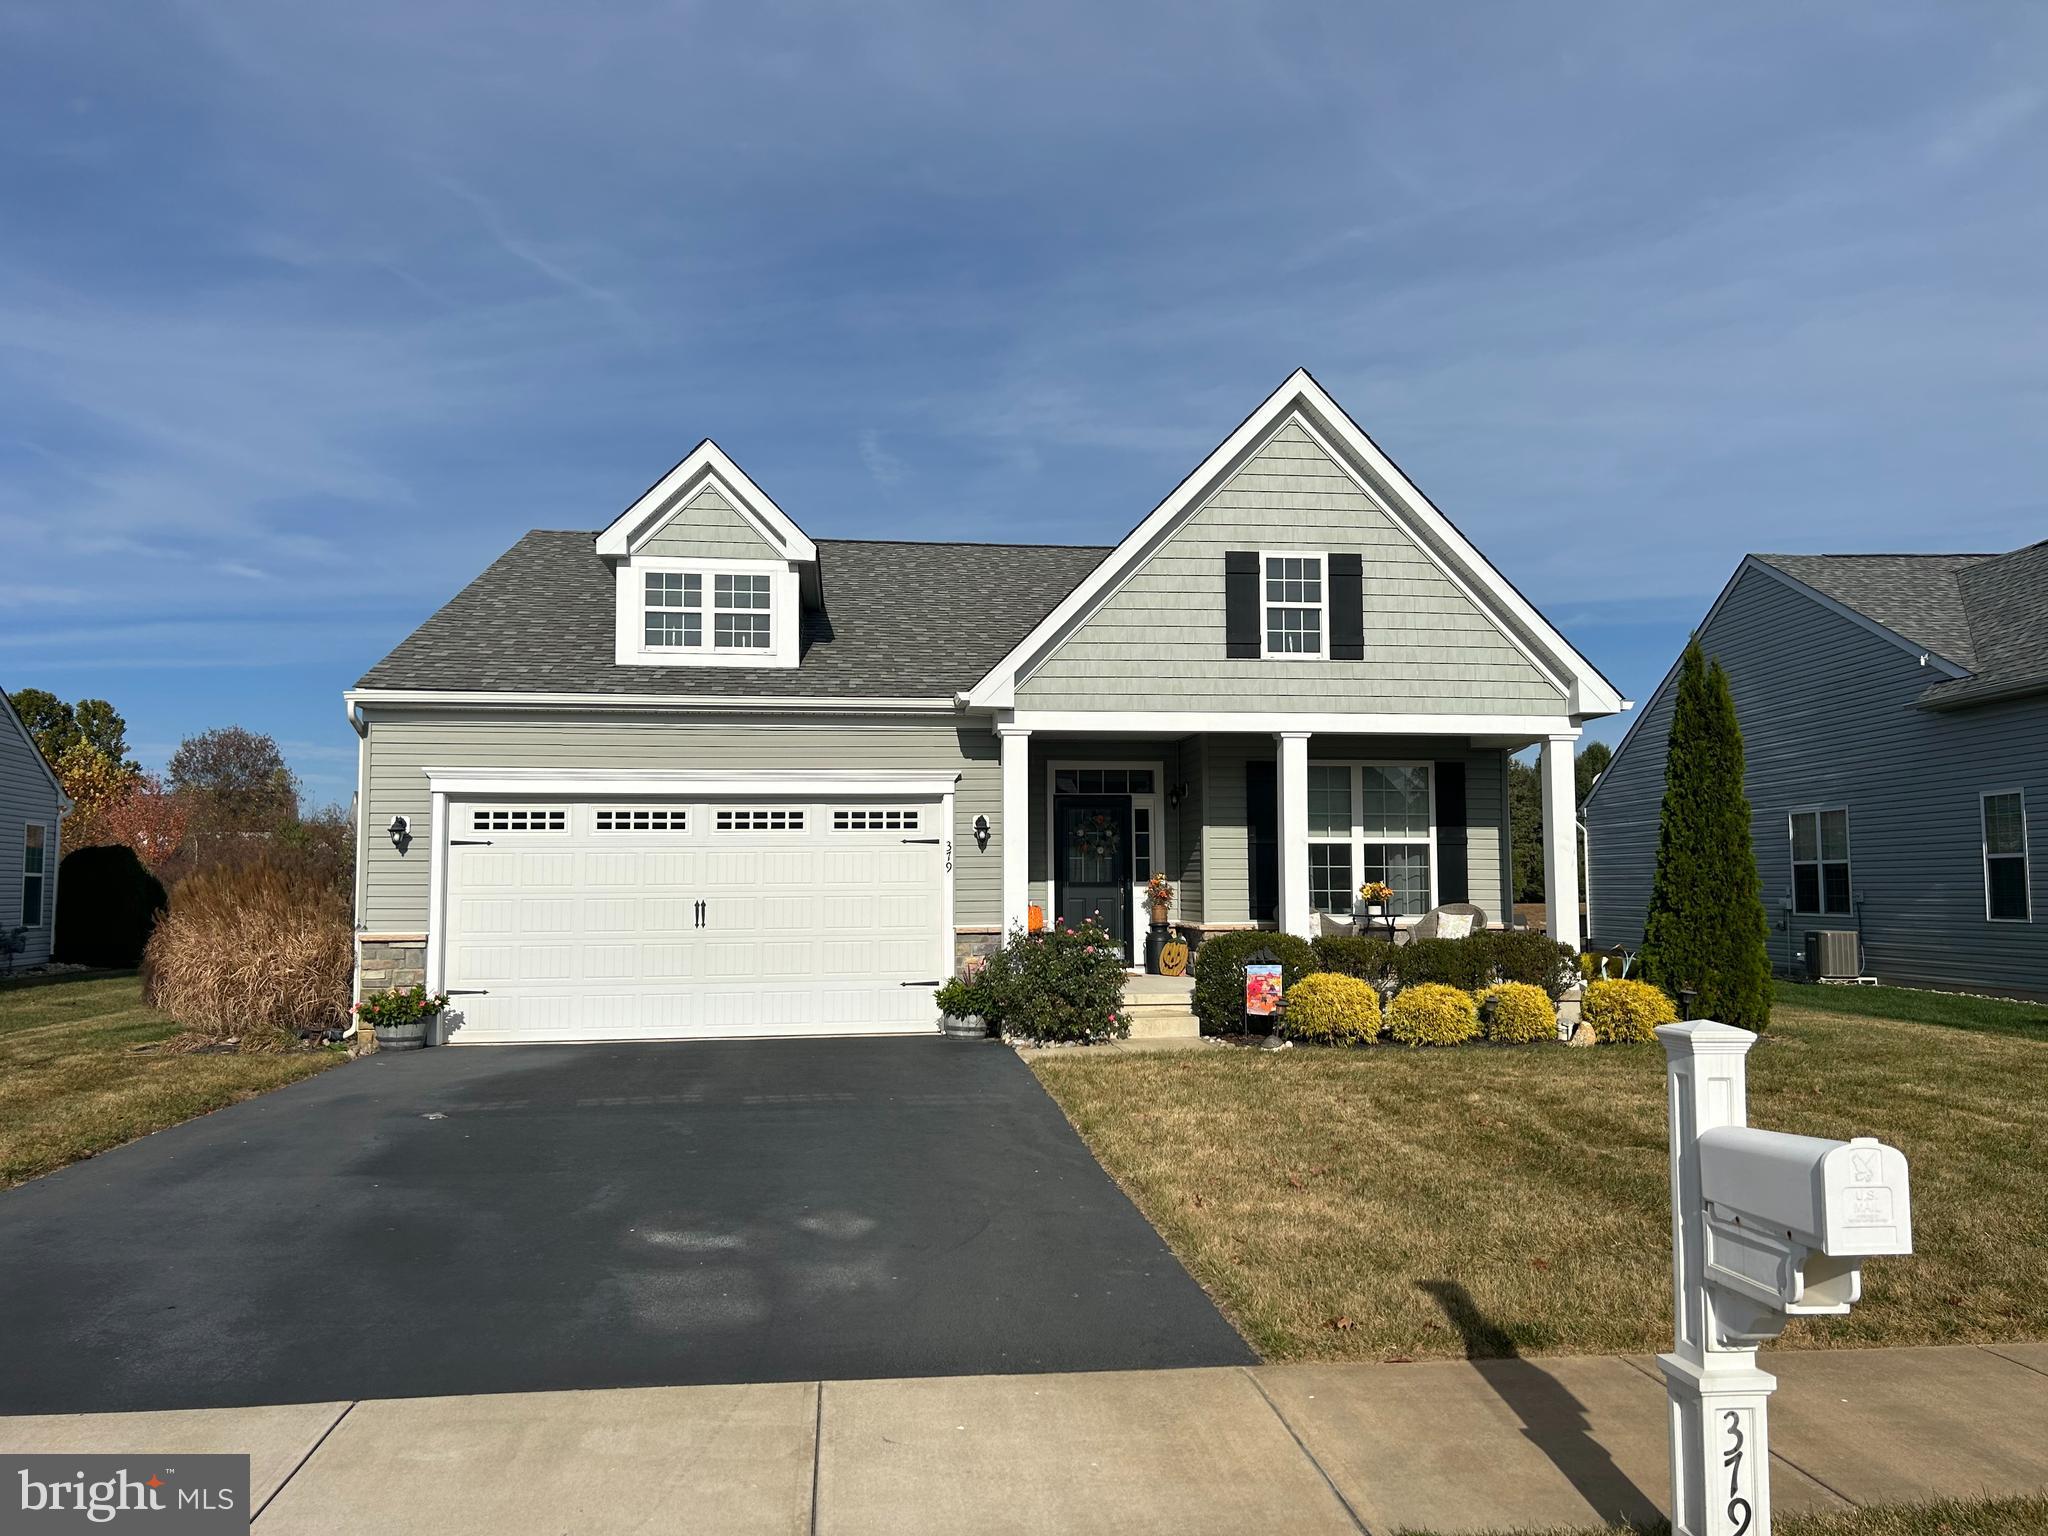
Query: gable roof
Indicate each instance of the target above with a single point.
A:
(705, 464)
(9, 715)
(901, 621)
(1918, 597)
(1301, 397)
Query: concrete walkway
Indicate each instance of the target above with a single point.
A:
(1305, 1449)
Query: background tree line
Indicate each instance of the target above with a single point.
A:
(226, 796)
(1525, 816)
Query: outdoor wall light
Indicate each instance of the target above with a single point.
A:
(981, 833)
(401, 833)
(1175, 795)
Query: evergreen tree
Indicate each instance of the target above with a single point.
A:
(1706, 930)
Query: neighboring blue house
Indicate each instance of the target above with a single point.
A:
(1894, 714)
(32, 807)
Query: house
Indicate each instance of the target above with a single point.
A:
(699, 773)
(32, 807)
(1894, 714)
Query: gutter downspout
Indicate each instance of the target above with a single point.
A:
(361, 726)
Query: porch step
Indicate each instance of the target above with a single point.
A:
(1161, 1018)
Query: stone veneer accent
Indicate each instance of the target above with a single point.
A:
(968, 942)
(389, 963)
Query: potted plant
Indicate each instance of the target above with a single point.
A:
(401, 1016)
(1159, 897)
(1375, 894)
(967, 1002)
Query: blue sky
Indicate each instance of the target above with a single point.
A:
(307, 312)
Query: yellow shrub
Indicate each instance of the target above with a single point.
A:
(1331, 1010)
(1433, 1014)
(1626, 1012)
(1518, 1013)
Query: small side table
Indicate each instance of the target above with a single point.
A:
(1370, 924)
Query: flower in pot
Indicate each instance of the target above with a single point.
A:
(1375, 894)
(401, 1016)
(1159, 895)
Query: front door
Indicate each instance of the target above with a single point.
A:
(1092, 856)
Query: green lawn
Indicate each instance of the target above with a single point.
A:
(1385, 1204)
(72, 1081)
(1948, 1009)
(1960, 1517)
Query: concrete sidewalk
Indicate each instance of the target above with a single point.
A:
(1298, 1448)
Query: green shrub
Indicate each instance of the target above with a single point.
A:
(1524, 955)
(1626, 1012)
(1329, 1009)
(107, 905)
(1466, 964)
(1517, 1012)
(971, 994)
(1060, 984)
(1433, 1014)
(1356, 954)
(1219, 973)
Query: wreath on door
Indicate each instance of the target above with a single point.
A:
(1097, 836)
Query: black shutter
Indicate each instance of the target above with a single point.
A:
(1454, 881)
(1241, 604)
(1262, 838)
(1347, 608)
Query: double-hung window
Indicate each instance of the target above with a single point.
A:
(1294, 606)
(1820, 862)
(34, 873)
(740, 611)
(675, 609)
(1370, 821)
(2007, 894)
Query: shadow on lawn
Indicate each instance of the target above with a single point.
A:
(1553, 1420)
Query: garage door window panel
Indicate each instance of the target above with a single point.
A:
(518, 819)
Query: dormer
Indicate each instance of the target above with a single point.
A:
(709, 572)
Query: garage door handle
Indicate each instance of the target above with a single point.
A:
(469, 842)
(920, 983)
(932, 840)
(467, 992)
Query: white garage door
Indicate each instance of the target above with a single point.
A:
(666, 919)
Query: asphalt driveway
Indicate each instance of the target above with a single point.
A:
(495, 1219)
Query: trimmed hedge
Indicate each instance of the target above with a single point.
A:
(1433, 1014)
(1626, 1012)
(107, 906)
(1219, 973)
(1469, 964)
(1328, 1009)
(1514, 1012)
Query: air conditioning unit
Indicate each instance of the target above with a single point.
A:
(1831, 954)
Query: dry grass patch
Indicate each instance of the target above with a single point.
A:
(2026, 1516)
(72, 1082)
(1366, 1205)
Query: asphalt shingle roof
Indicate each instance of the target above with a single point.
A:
(1985, 613)
(900, 620)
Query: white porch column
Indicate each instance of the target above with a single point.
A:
(1295, 915)
(1016, 827)
(1561, 839)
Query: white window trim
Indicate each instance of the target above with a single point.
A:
(1793, 861)
(44, 917)
(2026, 853)
(631, 649)
(1322, 607)
(1358, 838)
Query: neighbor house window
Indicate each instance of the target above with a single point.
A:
(2007, 895)
(1294, 605)
(1370, 821)
(740, 617)
(34, 864)
(1820, 863)
(675, 609)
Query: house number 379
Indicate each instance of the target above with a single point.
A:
(1739, 1512)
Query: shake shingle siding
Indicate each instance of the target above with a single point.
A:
(1832, 715)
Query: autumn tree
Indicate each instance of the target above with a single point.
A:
(238, 786)
(95, 782)
(57, 727)
(151, 819)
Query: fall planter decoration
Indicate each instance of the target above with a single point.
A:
(401, 1017)
(1375, 894)
(1159, 897)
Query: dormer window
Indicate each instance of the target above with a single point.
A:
(675, 604)
(742, 618)
(690, 611)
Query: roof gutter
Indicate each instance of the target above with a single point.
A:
(701, 704)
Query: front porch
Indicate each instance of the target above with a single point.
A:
(1268, 830)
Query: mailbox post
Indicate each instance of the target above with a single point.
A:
(1764, 1227)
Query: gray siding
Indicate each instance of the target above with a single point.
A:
(402, 744)
(1829, 719)
(26, 795)
(1226, 894)
(710, 526)
(1159, 638)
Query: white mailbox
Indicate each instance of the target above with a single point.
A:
(1764, 1227)
(1789, 1221)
